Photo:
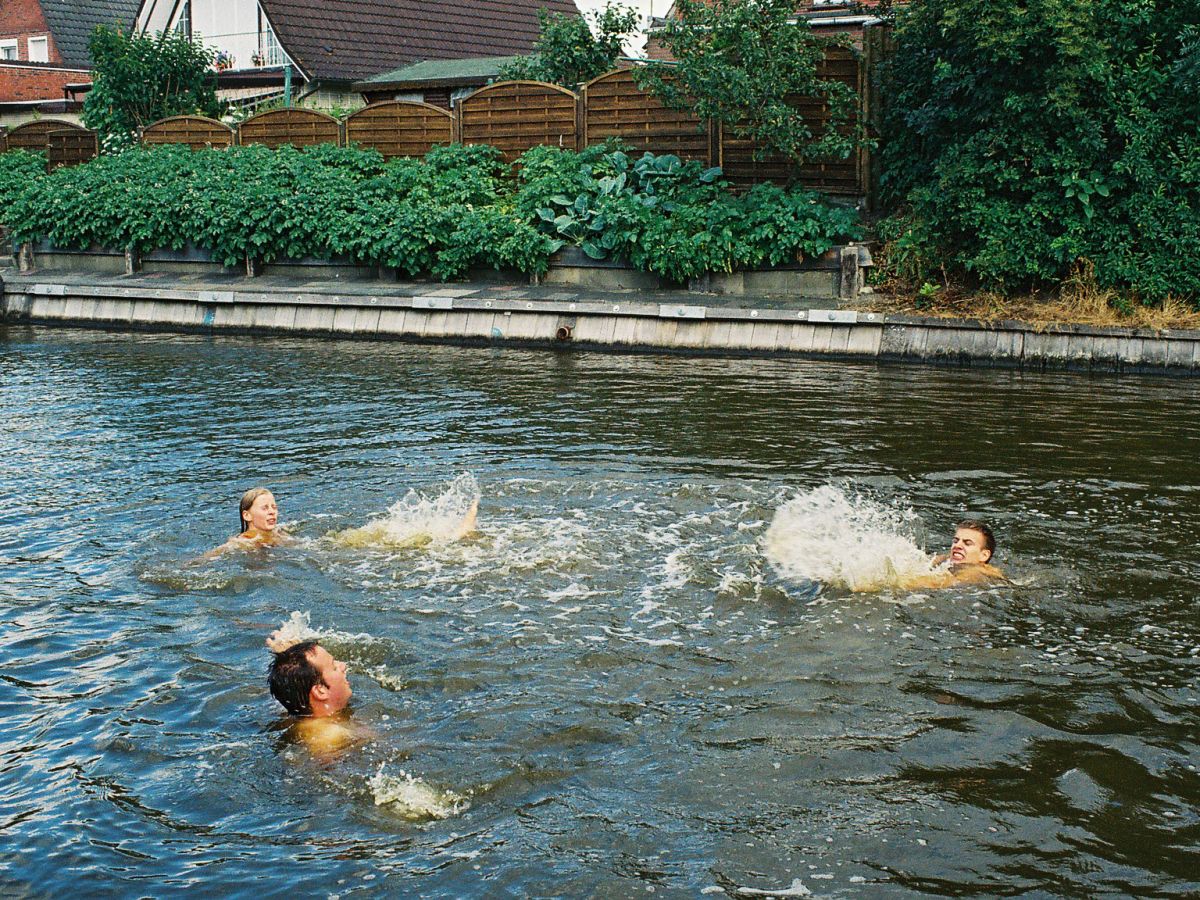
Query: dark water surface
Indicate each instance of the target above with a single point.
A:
(625, 694)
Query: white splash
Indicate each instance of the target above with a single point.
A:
(412, 798)
(297, 627)
(796, 889)
(845, 540)
(416, 519)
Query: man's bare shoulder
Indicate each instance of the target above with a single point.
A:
(326, 735)
(981, 573)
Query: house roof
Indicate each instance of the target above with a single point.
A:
(72, 21)
(347, 40)
(440, 72)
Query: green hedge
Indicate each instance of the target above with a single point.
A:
(456, 208)
(1022, 138)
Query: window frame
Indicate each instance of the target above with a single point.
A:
(10, 44)
(44, 42)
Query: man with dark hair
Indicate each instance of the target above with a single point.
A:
(970, 556)
(311, 684)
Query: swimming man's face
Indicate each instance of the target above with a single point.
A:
(968, 548)
(336, 688)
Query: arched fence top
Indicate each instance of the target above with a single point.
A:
(36, 135)
(197, 132)
(501, 86)
(199, 120)
(296, 126)
(608, 76)
(383, 106)
(294, 114)
(400, 127)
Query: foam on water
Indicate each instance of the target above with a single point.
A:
(297, 627)
(411, 798)
(844, 539)
(417, 519)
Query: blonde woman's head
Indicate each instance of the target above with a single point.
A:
(257, 510)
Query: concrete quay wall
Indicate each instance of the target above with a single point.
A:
(453, 315)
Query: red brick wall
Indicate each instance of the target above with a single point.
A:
(25, 81)
(23, 19)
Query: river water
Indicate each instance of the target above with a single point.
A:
(618, 686)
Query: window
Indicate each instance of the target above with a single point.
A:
(272, 52)
(183, 25)
(8, 49)
(39, 49)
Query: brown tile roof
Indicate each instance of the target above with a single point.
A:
(345, 40)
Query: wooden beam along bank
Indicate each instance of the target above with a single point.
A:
(444, 315)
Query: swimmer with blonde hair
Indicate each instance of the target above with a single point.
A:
(258, 517)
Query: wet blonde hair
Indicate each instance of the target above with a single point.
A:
(248, 499)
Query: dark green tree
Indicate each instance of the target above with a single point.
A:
(569, 51)
(138, 80)
(745, 63)
(1025, 141)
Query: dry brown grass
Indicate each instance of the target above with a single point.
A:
(1080, 301)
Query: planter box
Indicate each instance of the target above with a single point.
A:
(818, 278)
(79, 259)
(311, 267)
(190, 260)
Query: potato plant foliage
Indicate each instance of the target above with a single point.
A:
(457, 208)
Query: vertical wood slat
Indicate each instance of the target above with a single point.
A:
(400, 127)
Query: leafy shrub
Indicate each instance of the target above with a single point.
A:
(19, 169)
(743, 63)
(457, 208)
(138, 79)
(1023, 138)
(670, 217)
(572, 49)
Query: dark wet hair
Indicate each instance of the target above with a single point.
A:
(292, 676)
(989, 539)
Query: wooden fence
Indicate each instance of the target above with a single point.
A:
(198, 132)
(614, 107)
(297, 126)
(515, 116)
(400, 129)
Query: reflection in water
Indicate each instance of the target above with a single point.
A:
(621, 682)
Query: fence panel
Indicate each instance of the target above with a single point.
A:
(298, 127)
(198, 132)
(614, 106)
(3, 139)
(35, 136)
(517, 115)
(400, 127)
(71, 147)
(847, 177)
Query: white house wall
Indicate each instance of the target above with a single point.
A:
(229, 25)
